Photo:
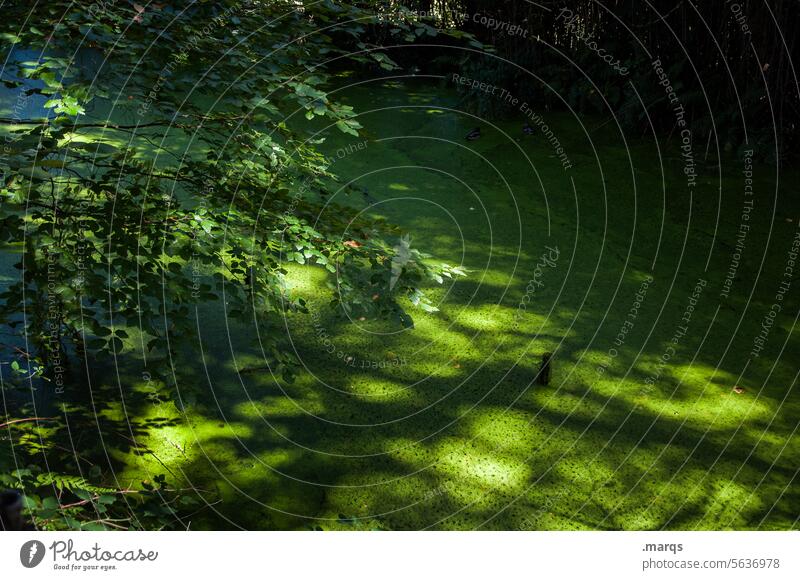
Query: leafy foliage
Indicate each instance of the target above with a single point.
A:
(57, 501)
(120, 230)
(169, 168)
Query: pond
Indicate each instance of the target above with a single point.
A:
(441, 424)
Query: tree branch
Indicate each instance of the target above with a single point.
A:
(26, 420)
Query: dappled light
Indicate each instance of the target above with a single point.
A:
(260, 284)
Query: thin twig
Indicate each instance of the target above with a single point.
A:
(15, 421)
(85, 501)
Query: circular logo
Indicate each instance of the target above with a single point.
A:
(31, 553)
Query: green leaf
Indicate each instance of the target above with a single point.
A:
(50, 503)
(30, 502)
(10, 38)
(94, 527)
(72, 523)
(345, 127)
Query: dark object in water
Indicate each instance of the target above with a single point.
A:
(543, 376)
(368, 197)
(527, 129)
(474, 134)
(11, 519)
(365, 192)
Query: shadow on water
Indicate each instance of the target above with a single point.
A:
(443, 426)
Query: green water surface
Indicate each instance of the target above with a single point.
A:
(441, 425)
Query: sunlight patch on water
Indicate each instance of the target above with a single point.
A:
(479, 468)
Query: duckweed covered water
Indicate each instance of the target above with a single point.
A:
(442, 425)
